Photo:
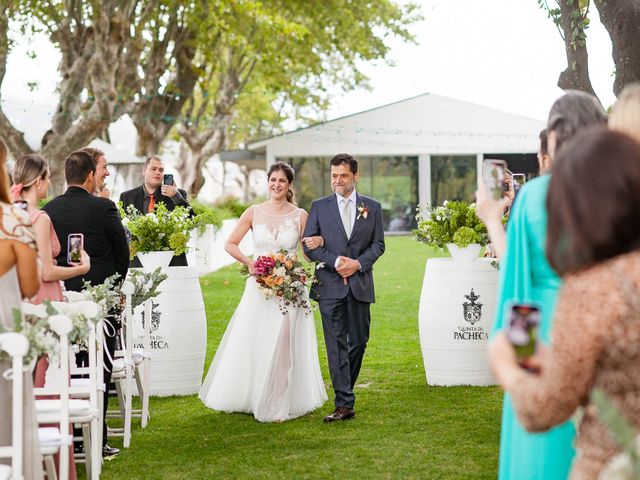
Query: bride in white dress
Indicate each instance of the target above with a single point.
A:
(267, 362)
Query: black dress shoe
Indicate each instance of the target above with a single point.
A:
(108, 451)
(340, 413)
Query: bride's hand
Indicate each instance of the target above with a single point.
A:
(313, 242)
(252, 270)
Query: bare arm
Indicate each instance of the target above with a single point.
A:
(27, 269)
(51, 272)
(239, 232)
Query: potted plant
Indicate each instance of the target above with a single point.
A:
(453, 224)
(156, 237)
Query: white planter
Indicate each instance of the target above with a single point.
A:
(152, 260)
(178, 334)
(457, 309)
(464, 254)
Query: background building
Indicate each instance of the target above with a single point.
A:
(426, 148)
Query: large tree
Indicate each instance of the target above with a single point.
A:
(169, 63)
(621, 18)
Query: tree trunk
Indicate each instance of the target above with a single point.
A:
(12, 136)
(621, 18)
(576, 75)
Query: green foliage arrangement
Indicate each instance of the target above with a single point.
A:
(452, 222)
(162, 230)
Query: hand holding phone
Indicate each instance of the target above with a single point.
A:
(523, 330)
(493, 176)
(75, 245)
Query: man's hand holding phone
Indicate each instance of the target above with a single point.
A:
(168, 188)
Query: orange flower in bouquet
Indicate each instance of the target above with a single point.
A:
(282, 275)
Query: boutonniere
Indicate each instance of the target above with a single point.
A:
(363, 211)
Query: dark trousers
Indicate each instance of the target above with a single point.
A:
(345, 322)
(82, 360)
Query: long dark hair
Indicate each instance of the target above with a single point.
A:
(290, 174)
(593, 199)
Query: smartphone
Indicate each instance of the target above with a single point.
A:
(22, 204)
(519, 179)
(494, 176)
(75, 244)
(167, 179)
(524, 319)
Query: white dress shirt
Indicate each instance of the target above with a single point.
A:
(341, 201)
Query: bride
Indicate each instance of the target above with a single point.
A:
(267, 362)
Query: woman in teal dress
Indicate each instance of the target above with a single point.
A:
(526, 276)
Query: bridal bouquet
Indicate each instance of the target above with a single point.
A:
(281, 275)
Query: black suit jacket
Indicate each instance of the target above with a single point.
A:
(135, 197)
(77, 211)
(365, 244)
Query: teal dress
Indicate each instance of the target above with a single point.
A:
(526, 276)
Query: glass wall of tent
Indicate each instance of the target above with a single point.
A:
(392, 180)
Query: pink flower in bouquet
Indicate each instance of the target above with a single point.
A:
(263, 266)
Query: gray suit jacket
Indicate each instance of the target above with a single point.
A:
(366, 244)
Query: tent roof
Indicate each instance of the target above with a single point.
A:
(428, 124)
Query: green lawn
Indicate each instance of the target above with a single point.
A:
(403, 428)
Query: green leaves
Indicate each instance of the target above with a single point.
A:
(452, 222)
(162, 230)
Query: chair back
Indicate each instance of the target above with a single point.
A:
(16, 345)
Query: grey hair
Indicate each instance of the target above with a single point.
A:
(572, 112)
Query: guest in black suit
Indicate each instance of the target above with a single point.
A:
(79, 211)
(152, 192)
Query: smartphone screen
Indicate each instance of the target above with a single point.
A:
(167, 179)
(74, 248)
(22, 204)
(494, 176)
(523, 329)
(519, 179)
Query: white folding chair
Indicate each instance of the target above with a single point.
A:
(16, 345)
(56, 439)
(123, 371)
(136, 361)
(87, 383)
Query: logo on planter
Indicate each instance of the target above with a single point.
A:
(155, 317)
(472, 310)
(472, 314)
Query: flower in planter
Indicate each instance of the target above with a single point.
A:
(452, 222)
(162, 230)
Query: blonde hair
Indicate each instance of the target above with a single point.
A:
(625, 114)
(28, 169)
(4, 176)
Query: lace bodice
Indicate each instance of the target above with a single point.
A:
(272, 233)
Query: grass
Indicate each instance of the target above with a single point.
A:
(403, 428)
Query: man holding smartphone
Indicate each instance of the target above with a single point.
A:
(157, 187)
(79, 219)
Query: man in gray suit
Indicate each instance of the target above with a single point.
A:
(351, 228)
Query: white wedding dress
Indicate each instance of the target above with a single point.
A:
(267, 362)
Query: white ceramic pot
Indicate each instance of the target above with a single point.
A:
(457, 308)
(178, 334)
(464, 254)
(152, 260)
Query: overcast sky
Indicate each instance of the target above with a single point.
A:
(501, 53)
